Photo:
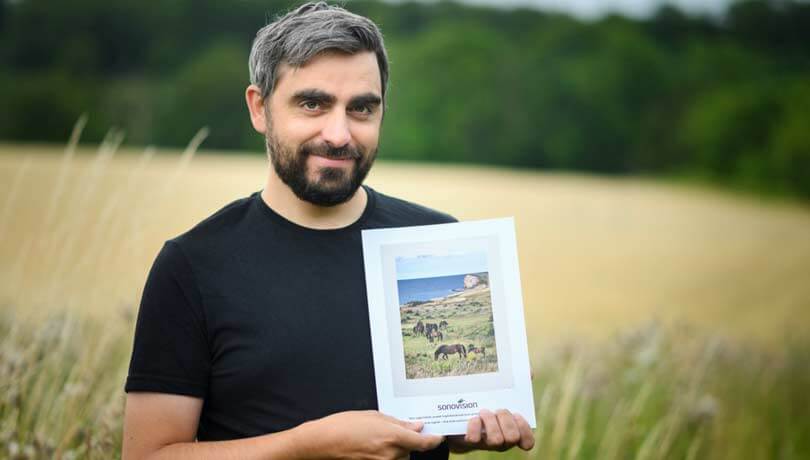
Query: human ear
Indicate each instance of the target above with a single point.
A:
(255, 104)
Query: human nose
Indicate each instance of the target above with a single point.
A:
(336, 132)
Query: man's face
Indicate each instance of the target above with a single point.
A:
(323, 125)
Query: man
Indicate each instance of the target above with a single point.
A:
(252, 335)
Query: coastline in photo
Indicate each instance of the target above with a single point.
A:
(447, 326)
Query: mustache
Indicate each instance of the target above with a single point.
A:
(333, 153)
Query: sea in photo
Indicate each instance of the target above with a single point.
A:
(428, 288)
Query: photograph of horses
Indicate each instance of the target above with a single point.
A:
(447, 327)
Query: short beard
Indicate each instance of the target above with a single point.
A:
(334, 185)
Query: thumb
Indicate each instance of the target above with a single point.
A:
(415, 426)
(420, 442)
(409, 425)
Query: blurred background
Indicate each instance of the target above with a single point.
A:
(655, 156)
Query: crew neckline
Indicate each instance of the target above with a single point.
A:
(279, 219)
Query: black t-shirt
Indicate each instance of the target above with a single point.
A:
(265, 320)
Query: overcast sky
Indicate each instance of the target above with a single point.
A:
(596, 8)
(433, 265)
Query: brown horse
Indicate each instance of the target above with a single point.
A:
(419, 329)
(480, 350)
(434, 334)
(445, 350)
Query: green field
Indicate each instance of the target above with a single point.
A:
(469, 321)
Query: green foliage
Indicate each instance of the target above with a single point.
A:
(41, 106)
(789, 148)
(213, 83)
(670, 94)
(753, 135)
(713, 126)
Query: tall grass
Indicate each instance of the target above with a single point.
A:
(669, 393)
(654, 393)
(61, 387)
(80, 231)
(80, 248)
(70, 239)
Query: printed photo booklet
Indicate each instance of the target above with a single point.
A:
(447, 326)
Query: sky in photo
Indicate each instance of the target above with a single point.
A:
(433, 265)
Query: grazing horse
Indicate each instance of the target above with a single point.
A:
(430, 327)
(419, 329)
(443, 324)
(435, 334)
(473, 349)
(445, 350)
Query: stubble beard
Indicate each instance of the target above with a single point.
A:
(332, 186)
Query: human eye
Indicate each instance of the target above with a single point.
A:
(362, 110)
(311, 105)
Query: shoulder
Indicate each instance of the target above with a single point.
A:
(221, 227)
(396, 212)
(218, 225)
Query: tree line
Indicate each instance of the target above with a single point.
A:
(727, 99)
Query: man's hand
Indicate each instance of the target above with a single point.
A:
(364, 435)
(499, 431)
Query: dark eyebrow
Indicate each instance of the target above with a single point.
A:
(369, 99)
(314, 95)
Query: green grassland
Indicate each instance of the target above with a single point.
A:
(469, 318)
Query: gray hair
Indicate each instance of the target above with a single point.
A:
(302, 34)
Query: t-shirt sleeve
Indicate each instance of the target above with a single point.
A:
(170, 353)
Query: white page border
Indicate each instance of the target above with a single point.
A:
(436, 401)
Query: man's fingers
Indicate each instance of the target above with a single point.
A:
(474, 427)
(494, 437)
(526, 433)
(509, 429)
(498, 431)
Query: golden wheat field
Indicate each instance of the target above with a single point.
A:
(664, 321)
(80, 230)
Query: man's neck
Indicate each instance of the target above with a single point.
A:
(281, 199)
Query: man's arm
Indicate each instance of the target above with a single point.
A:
(158, 426)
